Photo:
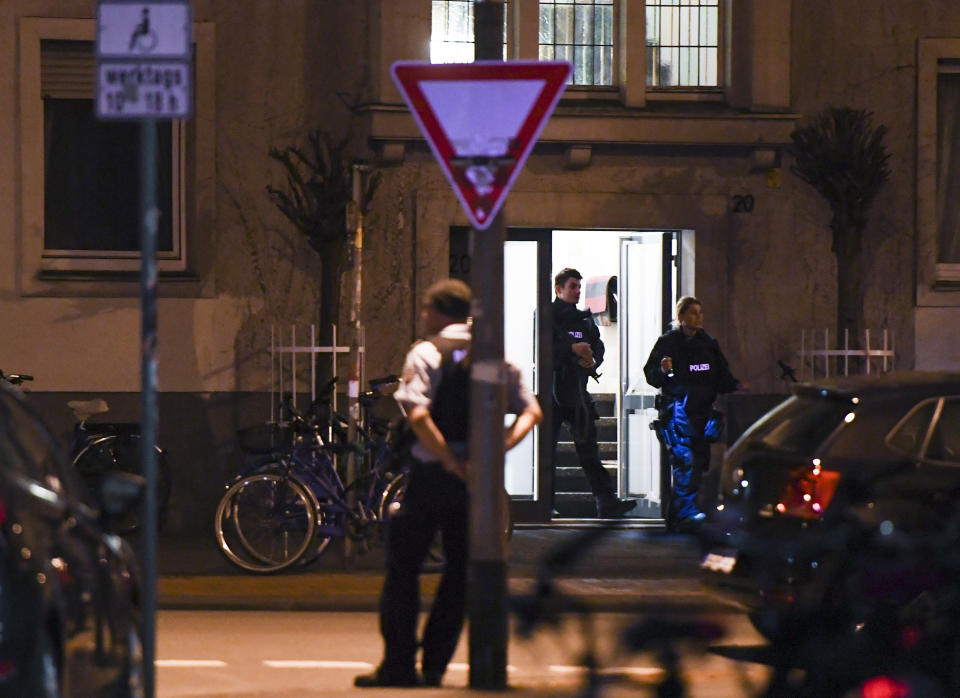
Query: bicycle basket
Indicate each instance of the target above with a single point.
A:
(265, 438)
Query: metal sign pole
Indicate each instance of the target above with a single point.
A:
(487, 602)
(148, 408)
(144, 72)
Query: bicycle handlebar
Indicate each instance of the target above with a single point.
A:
(15, 378)
(377, 383)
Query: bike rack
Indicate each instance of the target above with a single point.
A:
(281, 354)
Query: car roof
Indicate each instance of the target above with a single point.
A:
(894, 383)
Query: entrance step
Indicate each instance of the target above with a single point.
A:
(606, 430)
(577, 505)
(567, 453)
(573, 498)
(570, 478)
(606, 403)
(574, 505)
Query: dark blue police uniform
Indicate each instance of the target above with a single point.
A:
(700, 372)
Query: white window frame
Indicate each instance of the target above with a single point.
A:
(937, 283)
(51, 271)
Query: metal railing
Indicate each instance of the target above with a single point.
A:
(284, 362)
(820, 360)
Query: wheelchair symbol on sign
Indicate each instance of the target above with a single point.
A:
(143, 37)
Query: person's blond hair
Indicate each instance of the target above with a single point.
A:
(683, 305)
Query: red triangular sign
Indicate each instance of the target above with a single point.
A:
(481, 121)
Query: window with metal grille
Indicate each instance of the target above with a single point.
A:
(579, 31)
(451, 34)
(683, 43)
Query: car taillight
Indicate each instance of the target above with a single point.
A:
(884, 687)
(808, 492)
(7, 670)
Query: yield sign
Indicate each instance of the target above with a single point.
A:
(481, 121)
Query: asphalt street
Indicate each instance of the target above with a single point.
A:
(248, 654)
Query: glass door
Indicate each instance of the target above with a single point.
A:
(527, 294)
(647, 286)
(520, 324)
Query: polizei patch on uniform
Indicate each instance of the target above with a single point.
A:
(699, 367)
(576, 334)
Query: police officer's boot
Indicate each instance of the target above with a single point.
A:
(609, 507)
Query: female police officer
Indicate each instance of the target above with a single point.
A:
(687, 365)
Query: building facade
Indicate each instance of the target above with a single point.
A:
(644, 141)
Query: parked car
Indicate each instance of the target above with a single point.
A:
(806, 491)
(69, 619)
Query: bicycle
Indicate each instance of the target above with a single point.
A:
(101, 448)
(286, 508)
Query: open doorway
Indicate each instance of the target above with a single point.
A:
(631, 279)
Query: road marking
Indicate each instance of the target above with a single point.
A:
(617, 670)
(191, 663)
(460, 666)
(632, 671)
(314, 664)
(311, 664)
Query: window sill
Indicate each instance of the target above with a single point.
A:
(948, 274)
(686, 95)
(117, 284)
(608, 122)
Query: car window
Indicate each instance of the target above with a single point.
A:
(909, 435)
(802, 425)
(945, 440)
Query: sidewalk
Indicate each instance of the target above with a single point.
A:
(625, 570)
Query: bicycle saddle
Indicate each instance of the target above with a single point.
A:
(84, 409)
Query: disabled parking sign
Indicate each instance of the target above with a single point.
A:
(144, 59)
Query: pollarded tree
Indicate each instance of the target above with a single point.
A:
(843, 156)
(319, 189)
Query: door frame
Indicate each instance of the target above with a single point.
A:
(527, 510)
(678, 251)
(540, 510)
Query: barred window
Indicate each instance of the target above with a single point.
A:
(451, 34)
(683, 43)
(579, 31)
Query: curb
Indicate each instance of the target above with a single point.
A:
(348, 592)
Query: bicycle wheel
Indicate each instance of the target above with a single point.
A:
(121, 452)
(265, 522)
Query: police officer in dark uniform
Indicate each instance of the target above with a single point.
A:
(577, 352)
(687, 365)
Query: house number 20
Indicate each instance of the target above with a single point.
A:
(742, 203)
